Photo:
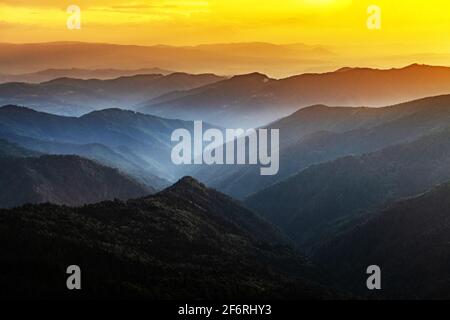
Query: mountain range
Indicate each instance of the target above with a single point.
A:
(186, 242)
(77, 73)
(253, 100)
(364, 177)
(315, 202)
(8, 149)
(408, 240)
(68, 180)
(225, 59)
(138, 144)
(74, 97)
(319, 134)
(246, 100)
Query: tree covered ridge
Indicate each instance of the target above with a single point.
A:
(181, 243)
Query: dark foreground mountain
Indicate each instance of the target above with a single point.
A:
(321, 198)
(68, 180)
(409, 240)
(185, 242)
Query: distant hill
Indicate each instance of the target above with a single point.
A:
(74, 97)
(68, 180)
(142, 140)
(408, 240)
(187, 242)
(319, 134)
(77, 73)
(221, 102)
(227, 59)
(8, 149)
(311, 203)
(122, 160)
(254, 99)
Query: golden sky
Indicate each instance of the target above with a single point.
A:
(407, 26)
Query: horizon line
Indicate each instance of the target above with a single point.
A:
(166, 45)
(360, 67)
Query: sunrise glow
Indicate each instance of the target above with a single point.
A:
(412, 30)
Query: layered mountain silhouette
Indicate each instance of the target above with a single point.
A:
(233, 58)
(254, 99)
(77, 73)
(122, 159)
(247, 100)
(8, 149)
(319, 134)
(317, 201)
(68, 180)
(74, 97)
(87, 177)
(187, 242)
(135, 143)
(222, 102)
(408, 240)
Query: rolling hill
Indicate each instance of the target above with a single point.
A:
(187, 242)
(8, 149)
(316, 201)
(319, 134)
(77, 73)
(74, 97)
(253, 100)
(125, 162)
(130, 141)
(68, 180)
(408, 240)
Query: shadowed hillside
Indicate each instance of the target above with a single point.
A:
(183, 243)
(320, 198)
(409, 240)
(319, 134)
(68, 180)
(135, 143)
(8, 149)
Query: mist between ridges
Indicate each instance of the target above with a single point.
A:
(227, 147)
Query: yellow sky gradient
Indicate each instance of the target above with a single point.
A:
(409, 27)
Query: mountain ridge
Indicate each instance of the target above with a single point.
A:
(45, 179)
(252, 97)
(144, 140)
(158, 247)
(318, 199)
(320, 134)
(413, 229)
(70, 96)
